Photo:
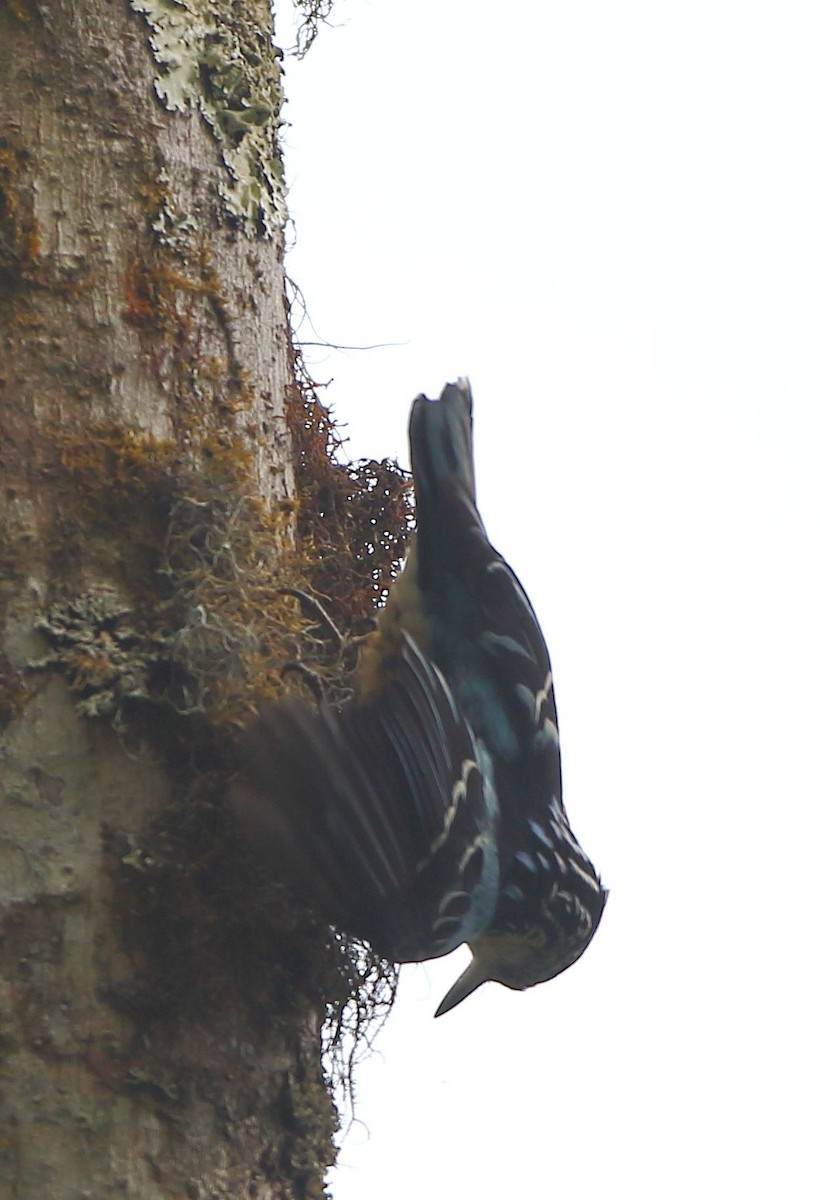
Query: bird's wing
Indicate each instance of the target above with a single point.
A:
(378, 813)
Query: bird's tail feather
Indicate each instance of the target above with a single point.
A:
(441, 449)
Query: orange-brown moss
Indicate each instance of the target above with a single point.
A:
(152, 288)
(20, 237)
(354, 520)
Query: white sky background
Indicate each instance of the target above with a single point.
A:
(608, 216)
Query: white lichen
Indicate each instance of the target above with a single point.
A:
(217, 59)
(174, 230)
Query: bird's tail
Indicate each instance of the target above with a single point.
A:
(441, 450)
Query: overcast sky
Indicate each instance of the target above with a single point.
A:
(608, 216)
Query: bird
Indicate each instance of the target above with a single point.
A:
(427, 811)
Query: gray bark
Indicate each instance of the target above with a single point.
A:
(143, 379)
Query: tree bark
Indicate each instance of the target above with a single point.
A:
(154, 1040)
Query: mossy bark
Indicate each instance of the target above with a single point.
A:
(143, 378)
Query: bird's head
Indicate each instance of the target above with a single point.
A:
(520, 958)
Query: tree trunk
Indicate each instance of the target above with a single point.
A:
(157, 1038)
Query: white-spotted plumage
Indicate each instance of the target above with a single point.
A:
(429, 811)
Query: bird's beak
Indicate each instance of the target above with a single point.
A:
(473, 977)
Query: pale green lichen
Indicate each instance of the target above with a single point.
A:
(219, 59)
(174, 230)
(93, 642)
